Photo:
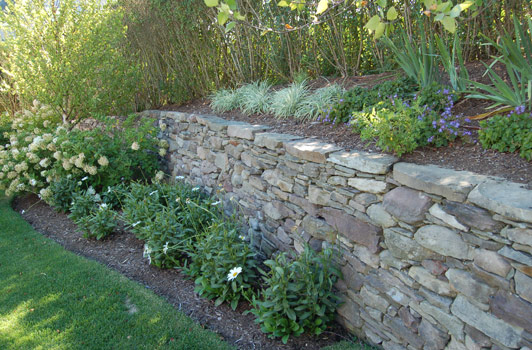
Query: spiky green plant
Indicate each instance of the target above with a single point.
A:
(225, 100)
(285, 102)
(255, 97)
(315, 103)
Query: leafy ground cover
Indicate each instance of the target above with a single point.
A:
(53, 299)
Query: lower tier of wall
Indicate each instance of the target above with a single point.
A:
(432, 258)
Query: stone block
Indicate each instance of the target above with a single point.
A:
(488, 324)
(523, 286)
(435, 267)
(443, 241)
(512, 309)
(372, 163)
(368, 185)
(311, 150)
(515, 255)
(434, 338)
(214, 123)
(352, 228)
(430, 282)
(337, 181)
(509, 199)
(317, 195)
(273, 141)
(492, 262)
(472, 216)
(372, 299)
(452, 184)
(405, 248)
(466, 284)
(520, 235)
(380, 216)
(406, 204)
(245, 130)
(448, 219)
(318, 228)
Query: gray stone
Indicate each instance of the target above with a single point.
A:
(368, 185)
(406, 204)
(380, 216)
(318, 195)
(434, 338)
(437, 300)
(450, 220)
(245, 130)
(427, 280)
(448, 321)
(366, 199)
(352, 228)
(372, 299)
(215, 123)
(273, 141)
(488, 324)
(456, 345)
(403, 332)
(472, 216)
(509, 199)
(405, 248)
(464, 283)
(408, 319)
(520, 235)
(481, 242)
(512, 309)
(318, 228)
(350, 312)
(443, 241)
(389, 260)
(452, 184)
(337, 181)
(492, 262)
(311, 150)
(511, 254)
(366, 256)
(523, 286)
(221, 161)
(352, 278)
(490, 278)
(373, 163)
(435, 267)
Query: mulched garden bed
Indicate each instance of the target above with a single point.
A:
(123, 253)
(459, 155)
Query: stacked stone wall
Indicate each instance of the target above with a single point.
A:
(433, 258)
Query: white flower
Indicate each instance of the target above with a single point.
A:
(103, 161)
(195, 189)
(135, 146)
(162, 152)
(187, 200)
(85, 178)
(91, 190)
(242, 237)
(178, 199)
(136, 223)
(147, 251)
(159, 176)
(216, 203)
(103, 206)
(33, 182)
(23, 211)
(179, 177)
(233, 273)
(153, 192)
(165, 248)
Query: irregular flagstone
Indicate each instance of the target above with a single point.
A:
(427, 280)
(403, 247)
(273, 141)
(368, 185)
(311, 150)
(245, 130)
(215, 123)
(488, 324)
(352, 228)
(520, 235)
(523, 286)
(509, 199)
(373, 163)
(406, 204)
(464, 283)
(515, 255)
(492, 262)
(512, 309)
(450, 220)
(443, 241)
(452, 184)
(472, 216)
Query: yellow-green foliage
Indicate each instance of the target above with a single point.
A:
(69, 57)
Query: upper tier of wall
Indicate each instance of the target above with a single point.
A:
(433, 258)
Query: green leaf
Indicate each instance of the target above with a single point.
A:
(373, 23)
(283, 3)
(449, 24)
(382, 3)
(222, 17)
(392, 14)
(229, 26)
(231, 4)
(322, 6)
(211, 3)
(291, 314)
(380, 30)
(285, 338)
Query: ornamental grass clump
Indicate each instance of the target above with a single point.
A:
(298, 294)
(225, 100)
(285, 102)
(255, 97)
(318, 101)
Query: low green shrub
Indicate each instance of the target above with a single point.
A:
(223, 264)
(83, 203)
(508, 133)
(63, 191)
(99, 223)
(298, 295)
(286, 102)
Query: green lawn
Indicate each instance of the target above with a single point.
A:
(53, 299)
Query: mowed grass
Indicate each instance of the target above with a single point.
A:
(53, 299)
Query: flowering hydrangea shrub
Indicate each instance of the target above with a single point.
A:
(509, 133)
(42, 150)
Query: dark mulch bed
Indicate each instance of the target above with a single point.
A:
(123, 253)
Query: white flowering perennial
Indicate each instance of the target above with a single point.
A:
(233, 273)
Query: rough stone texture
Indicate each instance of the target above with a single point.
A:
(512, 309)
(523, 286)
(509, 199)
(372, 163)
(352, 228)
(472, 216)
(406, 204)
(407, 287)
(245, 130)
(368, 185)
(452, 184)
(492, 262)
(443, 241)
(488, 324)
(311, 150)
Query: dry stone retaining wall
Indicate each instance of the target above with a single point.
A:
(433, 258)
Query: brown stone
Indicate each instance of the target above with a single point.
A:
(434, 338)
(472, 216)
(512, 309)
(492, 262)
(406, 204)
(407, 318)
(353, 229)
